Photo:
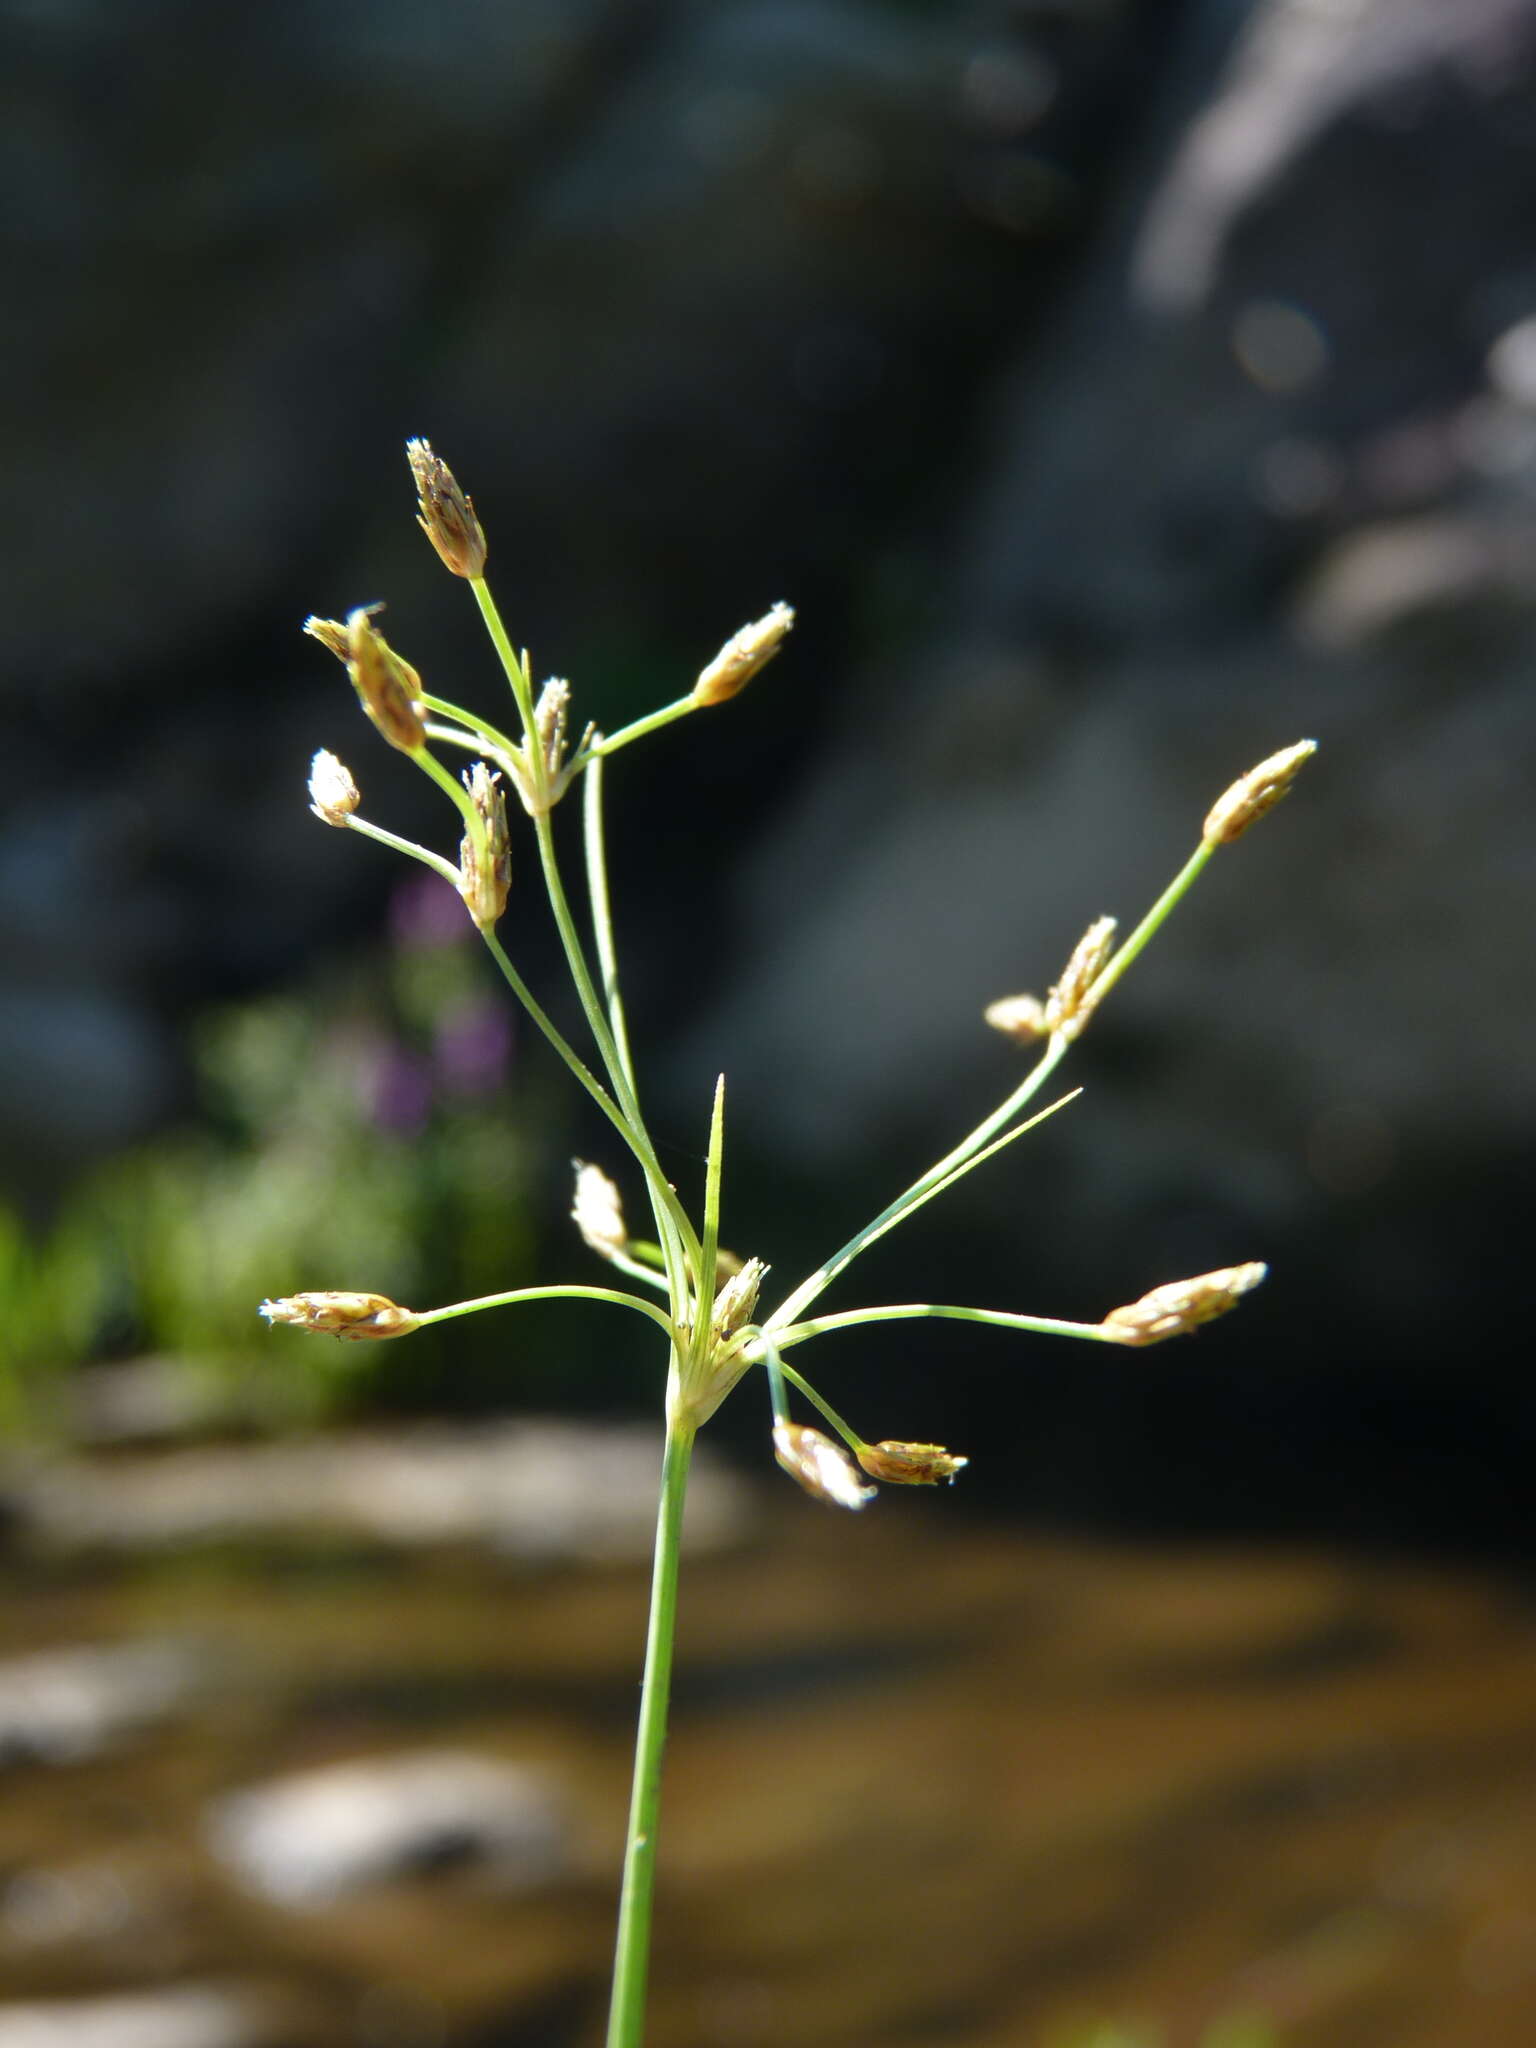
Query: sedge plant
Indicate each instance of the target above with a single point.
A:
(702, 1300)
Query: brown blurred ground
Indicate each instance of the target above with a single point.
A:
(927, 1783)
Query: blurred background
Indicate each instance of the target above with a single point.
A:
(1120, 390)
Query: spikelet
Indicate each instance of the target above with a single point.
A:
(1179, 1306)
(819, 1465)
(742, 656)
(444, 514)
(902, 1464)
(336, 1313)
(1255, 793)
(1072, 1002)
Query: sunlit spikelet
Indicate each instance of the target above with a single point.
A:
(820, 1466)
(1179, 1306)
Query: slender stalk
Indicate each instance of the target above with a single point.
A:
(948, 1167)
(848, 1319)
(893, 1212)
(520, 1294)
(572, 1058)
(621, 1262)
(678, 1241)
(477, 730)
(709, 1250)
(516, 673)
(1176, 890)
(652, 722)
(474, 824)
(827, 1412)
(776, 1394)
(909, 1204)
(596, 848)
(424, 854)
(626, 2012)
(634, 1134)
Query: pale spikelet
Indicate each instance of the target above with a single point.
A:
(737, 1299)
(1179, 1306)
(388, 686)
(826, 1472)
(485, 873)
(1020, 1018)
(1071, 1002)
(549, 720)
(1255, 793)
(333, 795)
(336, 1313)
(331, 634)
(742, 656)
(444, 514)
(597, 1211)
(550, 716)
(902, 1464)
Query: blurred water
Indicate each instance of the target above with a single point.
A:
(928, 1782)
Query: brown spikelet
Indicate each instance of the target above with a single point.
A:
(737, 1298)
(1072, 1002)
(902, 1464)
(742, 656)
(1179, 1306)
(485, 873)
(389, 688)
(444, 513)
(1255, 793)
(819, 1465)
(337, 1313)
(332, 634)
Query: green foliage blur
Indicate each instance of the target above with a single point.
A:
(1231, 2030)
(356, 1132)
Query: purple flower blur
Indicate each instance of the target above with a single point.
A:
(402, 1092)
(425, 913)
(472, 1049)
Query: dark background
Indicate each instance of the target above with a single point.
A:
(1118, 391)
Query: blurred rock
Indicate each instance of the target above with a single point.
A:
(1273, 476)
(681, 291)
(176, 2016)
(62, 1706)
(544, 1492)
(308, 1839)
(158, 1400)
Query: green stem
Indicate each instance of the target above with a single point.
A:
(893, 1212)
(626, 2012)
(434, 861)
(1122, 957)
(673, 1226)
(518, 1294)
(621, 1262)
(848, 1319)
(909, 1204)
(474, 824)
(478, 730)
(949, 1166)
(709, 1250)
(567, 1052)
(594, 846)
(516, 673)
(827, 1412)
(596, 849)
(652, 722)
